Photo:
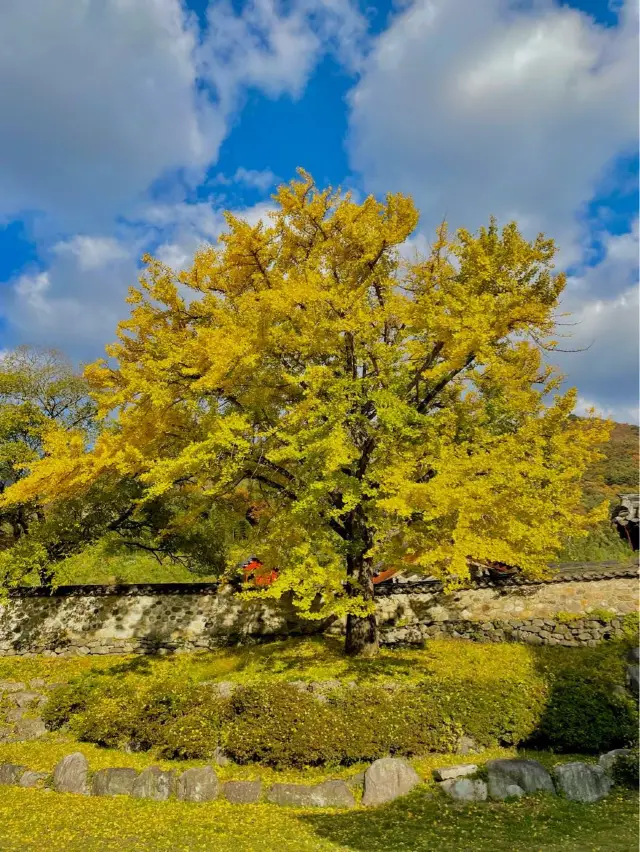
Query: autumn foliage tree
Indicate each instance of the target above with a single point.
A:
(380, 411)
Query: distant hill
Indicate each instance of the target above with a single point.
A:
(616, 473)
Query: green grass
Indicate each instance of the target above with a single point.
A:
(422, 822)
(321, 658)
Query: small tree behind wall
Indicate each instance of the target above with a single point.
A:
(379, 411)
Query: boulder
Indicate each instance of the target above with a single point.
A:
(582, 782)
(242, 792)
(11, 686)
(465, 789)
(33, 779)
(296, 795)
(29, 729)
(634, 655)
(10, 773)
(529, 775)
(387, 779)
(154, 783)
(514, 792)
(607, 761)
(114, 782)
(467, 745)
(329, 794)
(70, 774)
(446, 773)
(332, 794)
(199, 784)
(24, 699)
(633, 677)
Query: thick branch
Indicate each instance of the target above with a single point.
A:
(433, 393)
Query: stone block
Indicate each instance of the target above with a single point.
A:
(329, 794)
(114, 782)
(154, 783)
(446, 773)
(199, 784)
(387, 779)
(70, 775)
(242, 792)
(607, 761)
(527, 774)
(33, 779)
(10, 773)
(465, 789)
(29, 729)
(582, 782)
(11, 686)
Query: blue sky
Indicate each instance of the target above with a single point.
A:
(130, 126)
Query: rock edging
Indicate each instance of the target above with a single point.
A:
(513, 778)
(385, 780)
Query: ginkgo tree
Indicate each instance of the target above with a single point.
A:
(382, 412)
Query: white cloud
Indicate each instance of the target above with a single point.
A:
(274, 46)
(106, 97)
(603, 303)
(77, 302)
(495, 107)
(260, 180)
(93, 252)
(102, 102)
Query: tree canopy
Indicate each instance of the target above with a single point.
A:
(380, 410)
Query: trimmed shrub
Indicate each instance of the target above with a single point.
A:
(407, 721)
(280, 726)
(496, 712)
(583, 715)
(625, 770)
(66, 701)
(565, 699)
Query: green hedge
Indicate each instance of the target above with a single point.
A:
(583, 714)
(567, 702)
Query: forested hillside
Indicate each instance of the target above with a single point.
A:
(616, 473)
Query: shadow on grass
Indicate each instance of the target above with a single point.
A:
(422, 822)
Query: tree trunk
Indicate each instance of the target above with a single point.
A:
(362, 632)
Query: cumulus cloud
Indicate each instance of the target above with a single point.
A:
(518, 110)
(102, 102)
(261, 180)
(274, 46)
(603, 303)
(108, 97)
(496, 107)
(77, 302)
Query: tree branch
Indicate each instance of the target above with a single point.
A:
(433, 393)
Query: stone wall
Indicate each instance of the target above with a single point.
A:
(186, 617)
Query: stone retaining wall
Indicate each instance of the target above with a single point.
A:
(185, 617)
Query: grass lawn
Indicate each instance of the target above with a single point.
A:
(35, 820)
(322, 658)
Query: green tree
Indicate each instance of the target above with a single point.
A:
(38, 388)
